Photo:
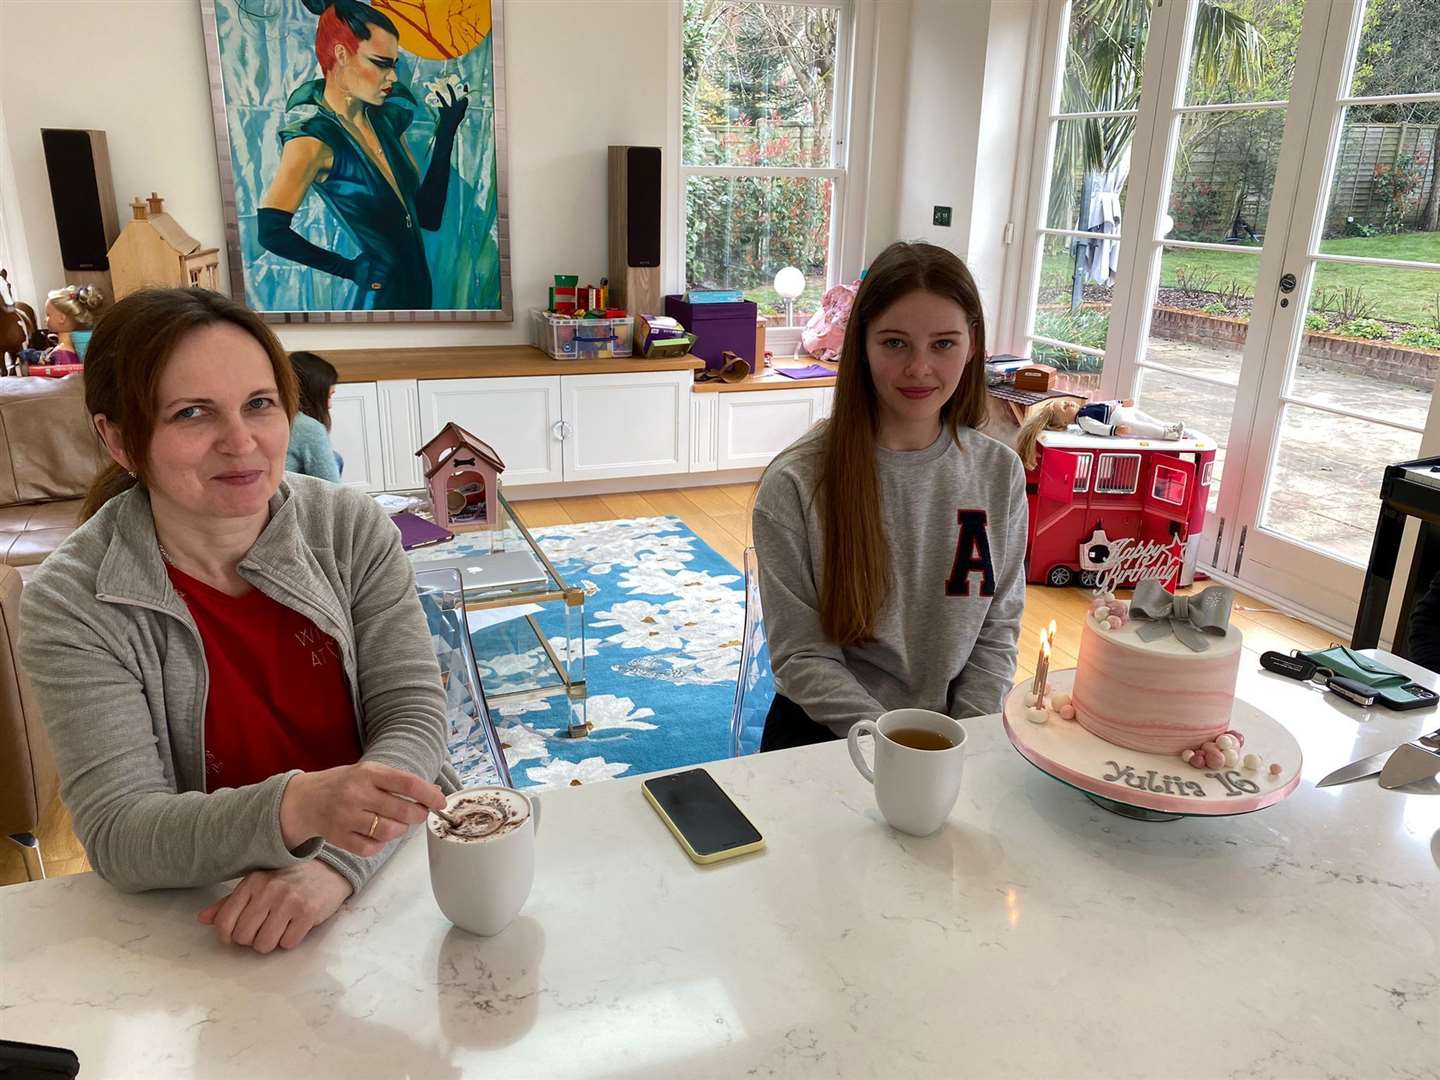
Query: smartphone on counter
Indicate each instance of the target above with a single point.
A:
(708, 825)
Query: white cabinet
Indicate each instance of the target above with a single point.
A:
(827, 400)
(625, 425)
(519, 417)
(704, 409)
(355, 432)
(755, 425)
(400, 431)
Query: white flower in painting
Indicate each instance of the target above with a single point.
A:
(560, 773)
(641, 625)
(608, 712)
(521, 743)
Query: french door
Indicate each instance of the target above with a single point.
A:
(1277, 247)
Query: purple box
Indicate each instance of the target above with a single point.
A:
(718, 328)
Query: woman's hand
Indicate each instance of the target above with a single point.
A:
(360, 807)
(277, 907)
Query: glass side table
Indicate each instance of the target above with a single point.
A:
(562, 668)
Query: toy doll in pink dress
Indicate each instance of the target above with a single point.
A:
(69, 314)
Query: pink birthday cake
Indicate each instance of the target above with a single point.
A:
(1159, 696)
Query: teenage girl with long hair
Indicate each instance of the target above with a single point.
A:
(891, 538)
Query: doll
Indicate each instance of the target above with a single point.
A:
(1118, 418)
(69, 314)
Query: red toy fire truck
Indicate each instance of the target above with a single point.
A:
(1088, 491)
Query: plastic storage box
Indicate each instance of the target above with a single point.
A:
(583, 339)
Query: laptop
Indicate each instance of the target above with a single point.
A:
(495, 570)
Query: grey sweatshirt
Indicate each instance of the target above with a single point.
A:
(955, 517)
(119, 672)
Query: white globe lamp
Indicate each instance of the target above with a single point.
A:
(789, 284)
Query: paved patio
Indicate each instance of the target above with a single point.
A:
(1327, 481)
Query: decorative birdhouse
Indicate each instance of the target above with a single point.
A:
(463, 477)
(154, 250)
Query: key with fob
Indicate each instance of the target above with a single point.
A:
(1356, 692)
(1292, 667)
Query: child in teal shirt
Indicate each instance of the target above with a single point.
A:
(311, 451)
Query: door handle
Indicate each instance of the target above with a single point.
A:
(561, 429)
(1287, 282)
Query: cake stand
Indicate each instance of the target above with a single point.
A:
(1155, 787)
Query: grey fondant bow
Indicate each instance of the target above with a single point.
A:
(1189, 618)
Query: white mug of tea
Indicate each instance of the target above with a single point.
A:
(919, 756)
(481, 869)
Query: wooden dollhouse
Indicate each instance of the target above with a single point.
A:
(462, 475)
(153, 250)
(1088, 491)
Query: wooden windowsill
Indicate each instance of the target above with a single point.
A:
(769, 380)
(485, 362)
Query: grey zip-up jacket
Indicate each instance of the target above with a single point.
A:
(119, 673)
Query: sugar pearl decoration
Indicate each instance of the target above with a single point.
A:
(1031, 699)
(1067, 712)
(1231, 758)
(1059, 700)
(1227, 742)
(1276, 768)
(1185, 756)
(1036, 716)
(1214, 759)
(1206, 747)
(1107, 624)
(1253, 762)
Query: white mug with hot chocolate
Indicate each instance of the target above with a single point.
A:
(482, 870)
(919, 759)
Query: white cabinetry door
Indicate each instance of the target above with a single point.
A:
(704, 408)
(626, 425)
(400, 425)
(356, 435)
(755, 425)
(827, 401)
(519, 417)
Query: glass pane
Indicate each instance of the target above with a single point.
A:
(1089, 175)
(1243, 50)
(1384, 199)
(1201, 315)
(1071, 306)
(758, 83)
(741, 230)
(1077, 371)
(1105, 56)
(1329, 499)
(1399, 41)
(1225, 175)
(1364, 348)
(1204, 409)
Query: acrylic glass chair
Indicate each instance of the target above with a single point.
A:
(473, 742)
(755, 688)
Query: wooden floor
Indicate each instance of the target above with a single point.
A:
(720, 516)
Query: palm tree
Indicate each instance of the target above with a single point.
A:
(1102, 74)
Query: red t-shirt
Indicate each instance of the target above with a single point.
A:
(279, 698)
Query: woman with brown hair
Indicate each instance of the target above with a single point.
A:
(891, 538)
(232, 663)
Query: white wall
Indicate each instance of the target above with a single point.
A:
(581, 74)
(945, 78)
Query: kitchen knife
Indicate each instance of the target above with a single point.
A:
(1369, 766)
(1419, 760)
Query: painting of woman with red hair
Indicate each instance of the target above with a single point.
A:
(365, 155)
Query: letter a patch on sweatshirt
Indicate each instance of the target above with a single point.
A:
(972, 556)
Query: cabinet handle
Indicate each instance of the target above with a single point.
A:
(566, 430)
(558, 429)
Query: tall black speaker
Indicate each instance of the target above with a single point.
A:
(85, 216)
(635, 228)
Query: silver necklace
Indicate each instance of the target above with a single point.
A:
(163, 553)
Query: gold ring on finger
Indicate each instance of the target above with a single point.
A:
(374, 824)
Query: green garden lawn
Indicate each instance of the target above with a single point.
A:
(1401, 296)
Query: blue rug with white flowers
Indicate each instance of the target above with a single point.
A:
(663, 619)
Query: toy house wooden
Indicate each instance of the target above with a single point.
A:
(462, 475)
(153, 250)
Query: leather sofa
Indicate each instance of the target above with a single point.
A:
(27, 771)
(49, 454)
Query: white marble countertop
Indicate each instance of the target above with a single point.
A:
(1035, 935)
